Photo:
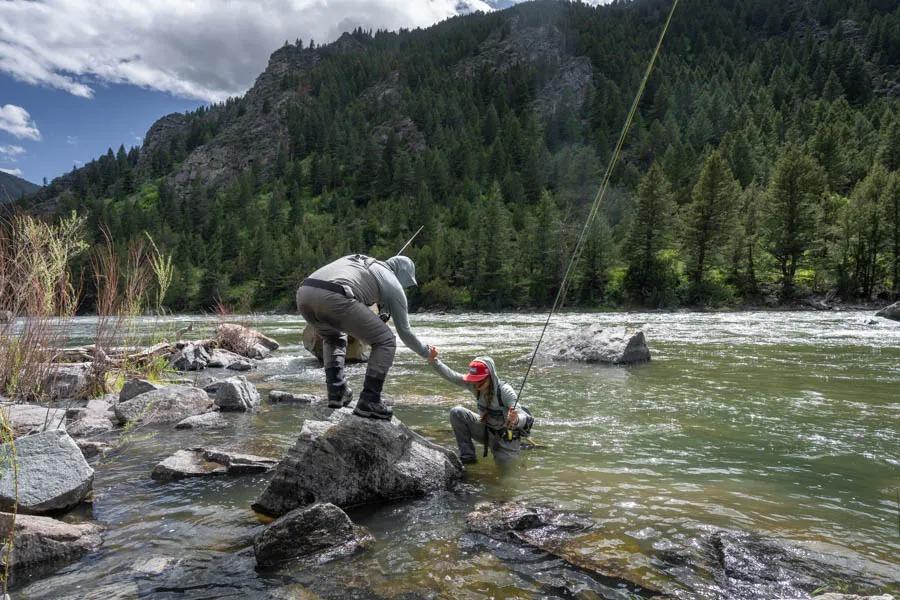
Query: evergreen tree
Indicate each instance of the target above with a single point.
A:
(646, 278)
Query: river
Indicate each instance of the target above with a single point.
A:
(782, 423)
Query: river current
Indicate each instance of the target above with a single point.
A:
(786, 424)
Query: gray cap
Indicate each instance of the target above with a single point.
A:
(404, 268)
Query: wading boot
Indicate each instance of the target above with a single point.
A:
(369, 404)
(339, 393)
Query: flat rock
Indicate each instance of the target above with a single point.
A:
(320, 532)
(240, 365)
(236, 393)
(277, 396)
(90, 426)
(245, 341)
(136, 387)
(92, 449)
(52, 474)
(204, 421)
(42, 542)
(890, 312)
(66, 380)
(357, 352)
(153, 565)
(615, 345)
(220, 358)
(165, 405)
(190, 357)
(25, 419)
(348, 460)
(202, 462)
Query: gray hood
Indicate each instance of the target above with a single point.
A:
(492, 369)
(404, 268)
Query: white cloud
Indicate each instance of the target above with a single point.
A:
(16, 120)
(16, 172)
(204, 49)
(71, 139)
(11, 152)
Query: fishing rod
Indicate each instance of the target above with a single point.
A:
(598, 199)
(418, 231)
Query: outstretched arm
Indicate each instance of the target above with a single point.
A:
(445, 371)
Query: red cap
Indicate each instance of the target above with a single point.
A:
(478, 371)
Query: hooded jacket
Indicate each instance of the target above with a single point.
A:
(494, 405)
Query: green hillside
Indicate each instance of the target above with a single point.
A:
(12, 187)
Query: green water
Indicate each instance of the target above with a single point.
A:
(786, 424)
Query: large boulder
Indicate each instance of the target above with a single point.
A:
(236, 393)
(135, 387)
(189, 357)
(357, 352)
(321, 532)
(165, 405)
(201, 462)
(52, 473)
(890, 312)
(66, 381)
(349, 460)
(25, 419)
(616, 345)
(245, 341)
(42, 542)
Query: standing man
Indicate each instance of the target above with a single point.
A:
(335, 301)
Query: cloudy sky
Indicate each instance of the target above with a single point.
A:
(79, 76)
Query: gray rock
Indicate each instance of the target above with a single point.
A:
(357, 352)
(136, 387)
(349, 460)
(153, 565)
(890, 312)
(245, 341)
(52, 473)
(202, 462)
(42, 542)
(90, 426)
(221, 359)
(190, 357)
(236, 393)
(165, 405)
(204, 421)
(320, 532)
(277, 396)
(91, 449)
(66, 380)
(25, 419)
(615, 345)
(240, 365)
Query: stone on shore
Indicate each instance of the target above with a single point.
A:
(278, 397)
(204, 421)
(321, 532)
(66, 381)
(52, 473)
(245, 341)
(613, 345)
(136, 387)
(238, 394)
(44, 542)
(90, 426)
(357, 352)
(202, 462)
(890, 312)
(348, 460)
(25, 419)
(165, 405)
(189, 357)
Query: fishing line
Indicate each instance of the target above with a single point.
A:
(598, 198)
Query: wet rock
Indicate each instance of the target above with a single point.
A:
(321, 532)
(202, 462)
(204, 421)
(245, 341)
(527, 523)
(615, 345)
(348, 460)
(890, 312)
(240, 365)
(153, 565)
(136, 387)
(277, 397)
(91, 449)
(63, 381)
(42, 542)
(236, 393)
(52, 473)
(90, 426)
(165, 405)
(221, 359)
(25, 419)
(190, 357)
(357, 352)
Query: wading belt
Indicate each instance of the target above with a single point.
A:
(500, 433)
(325, 285)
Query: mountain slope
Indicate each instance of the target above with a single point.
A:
(13, 188)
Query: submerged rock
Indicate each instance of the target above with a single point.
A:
(357, 352)
(201, 462)
(25, 419)
(245, 341)
(52, 474)
(890, 312)
(204, 421)
(348, 460)
(165, 405)
(45, 542)
(90, 449)
(615, 345)
(277, 396)
(136, 387)
(190, 357)
(321, 532)
(236, 393)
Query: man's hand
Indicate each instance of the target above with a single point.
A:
(512, 419)
(432, 354)
(483, 418)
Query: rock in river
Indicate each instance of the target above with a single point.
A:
(321, 532)
(136, 387)
(357, 352)
(25, 419)
(204, 421)
(890, 312)
(52, 473)
(278, 396)
(189, 357)
(245, 341)
(165, 405)
(349, 460)
(616, 345)
(200, 462)
(46, 542)
(236, 393)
